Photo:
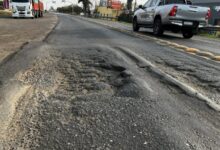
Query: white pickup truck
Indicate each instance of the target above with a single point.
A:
(174, 15)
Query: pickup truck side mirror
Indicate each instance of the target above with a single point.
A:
(140, 6)
(189, 2)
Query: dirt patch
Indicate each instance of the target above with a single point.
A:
(15, 32)
(41, 79)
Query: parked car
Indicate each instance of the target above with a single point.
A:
(174, 15)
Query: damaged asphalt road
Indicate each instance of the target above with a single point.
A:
(76, 90)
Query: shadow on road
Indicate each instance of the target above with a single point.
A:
(166, 35)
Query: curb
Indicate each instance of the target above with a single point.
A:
(192, 50)
(143, 63)
(53, 26)
(10, 56)
(206, 54)
(217, 58)
(181, 47)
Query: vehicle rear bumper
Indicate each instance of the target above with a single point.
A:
(182, 23)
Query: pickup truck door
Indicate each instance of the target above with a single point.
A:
(140, 16)
(151, 12)
(143, 14)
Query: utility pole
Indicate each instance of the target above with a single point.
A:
(135, 4)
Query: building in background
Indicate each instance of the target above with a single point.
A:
(214, 5)
(114, 4)
(6, 4)
(109, 8)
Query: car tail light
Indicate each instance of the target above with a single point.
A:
(208, 15)
(173, 11)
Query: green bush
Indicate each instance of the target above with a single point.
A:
(218, 34)
(77, 10)
(1, 5)
(209, 33)
(125, 17)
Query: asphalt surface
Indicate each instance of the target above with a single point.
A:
(79, 91)
(198, 72)
(199, 42)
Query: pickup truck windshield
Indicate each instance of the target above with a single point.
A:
(175, 2)
(20, 1)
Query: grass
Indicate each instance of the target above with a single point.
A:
(127, 23)
(212, 36)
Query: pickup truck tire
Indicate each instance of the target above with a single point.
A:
(158, 28)
(135, 25)
(187, 34)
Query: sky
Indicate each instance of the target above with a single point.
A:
(60, 3)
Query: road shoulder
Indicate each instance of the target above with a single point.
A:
(16, 33)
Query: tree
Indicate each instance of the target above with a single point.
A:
(77, 9)
(129, 4)
(1, 5)
(68, 9)
(86, 6)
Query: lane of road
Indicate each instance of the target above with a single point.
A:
(87, 95)
(199, 42)
(170, 106)
(197, 72)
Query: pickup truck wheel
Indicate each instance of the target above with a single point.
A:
(158, 28)
(135, 25)
(187, 34)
